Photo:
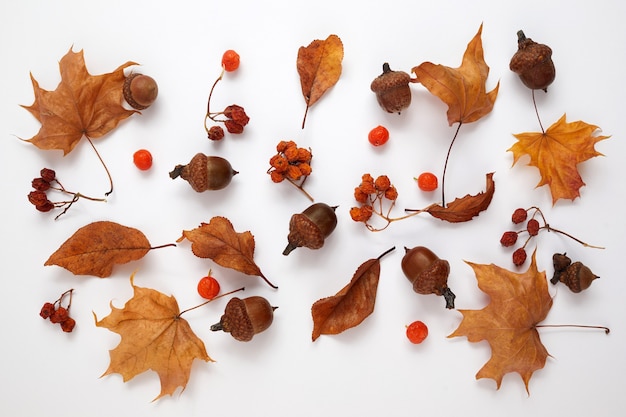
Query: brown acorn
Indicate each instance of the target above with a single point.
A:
(392, 90)
(140, 91)
(428, 273)
(576, 276)
(311, 227)
(243, 318)
(205, 172)
(533, 63)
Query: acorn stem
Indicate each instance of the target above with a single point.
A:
(521, 37)
(449, 297)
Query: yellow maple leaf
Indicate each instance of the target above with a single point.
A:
(557, 152)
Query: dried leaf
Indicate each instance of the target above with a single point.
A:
(319, 67)
(462, 89)
(82, 104)
(518, 303)
(557, 153)
(218, 240)
(153, 337)
(95, 248)
(350, 306)
(465, 208)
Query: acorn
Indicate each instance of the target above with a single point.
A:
(243, 318)
(140, 91)
(576, 276)
(205, 172)
(311, 227)
(533, 63)
(427, 273)
(392, 90)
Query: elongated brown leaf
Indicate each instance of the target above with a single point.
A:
(319, 67)
(96, 247)
(218, 240)
(350, 306)
(465, 208)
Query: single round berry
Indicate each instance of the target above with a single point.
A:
(533, 227)
(47, 310)
(508, 238)
(208, 287)
(416, 332)
(519, 215)
(427, 181)
(60, 315)
(378, 136)
(230, 60)
(143, 159)
(68, 325)
(519, 257)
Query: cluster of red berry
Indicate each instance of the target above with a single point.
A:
(290, 162)
(59, 314)
(48, 181)
(371, 193)
(233, 117)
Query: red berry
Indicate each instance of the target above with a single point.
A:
(532, 227)
(416, 332)
(519, 257)
(47, 310)
(143, 159)
(60, 315)
(208, 287)
(519, 215)
(230, 60)
(508, 238)
(427, 181)
(378, 136)
(68, 325)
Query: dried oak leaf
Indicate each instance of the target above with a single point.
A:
(81, 105)
(462, 89)
(519, 302)
(153, 337)
(218, 240)
(557, 153)
(350, 306)
(465, 208)
(319, 67)
(95, 248)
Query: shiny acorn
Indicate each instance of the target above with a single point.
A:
(311, 227)
(244, 318)
(205, 172)
(533, 63)
(427, 273)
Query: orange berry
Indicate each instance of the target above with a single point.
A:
(427, 181)
(416, 332)
(142, 159)
(305, 168)
(304, 155)
(391, 193)
(230, 60)
(360, 196)
(293, 172)
(277, 176)
(208, 287)
(291, 153)
(378, 136)
(382, 183)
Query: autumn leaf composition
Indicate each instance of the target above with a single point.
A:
(350, 306)
(519, 302)
(82, 105)
(319, 67)
(218, 240)
(557, 153)
(95, 248)
(153, 337)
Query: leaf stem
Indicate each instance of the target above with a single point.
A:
(163, 246)
(208, 301)
(445, 166)
(386, 252)
(103, 164)
(606, 329)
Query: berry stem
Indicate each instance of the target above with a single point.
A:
(208, 301)
(300, 187)
(537, 112)
(210, 115)
(606, 329)
(70, 291)
(552, 229)
(104, 165)
(445, 166)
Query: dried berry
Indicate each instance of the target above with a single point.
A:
(68, 325)
(216, 133)
(60, 315)
(416, 332)
(291, 163)
(392, 90)
(47, 310)
(427, 273)
(140, 91)
(205, 172)
(519, 215)
(519, 256)
(243, 318)
(48, 174)
(532, 227)
(427, 181)
(311, 227)
(533, 63)
(508, 238)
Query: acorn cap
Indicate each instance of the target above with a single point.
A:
(303, 232)
(392, 89)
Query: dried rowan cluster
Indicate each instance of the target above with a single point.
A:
(371, 194)
(59, 314)
(291, 163)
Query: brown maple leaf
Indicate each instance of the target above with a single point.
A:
(95, 248)
(557, 153)
(319, 67)
(350, 306)
(519, 302)
(465, 208)
(218, 240)
(153, 337)
(81, 105)
(462, 89)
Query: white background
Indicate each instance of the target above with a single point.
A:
(370, 370)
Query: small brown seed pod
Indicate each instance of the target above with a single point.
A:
(576, 276)
(140, 91)
(205, 172)
(243, 318)
(427, 273)
(311, 227)
(533, 63)
(392, 90)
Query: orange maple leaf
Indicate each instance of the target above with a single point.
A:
(462, 89)
(557, 152)
(81, 105)
(519, 302)
(154, 337)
